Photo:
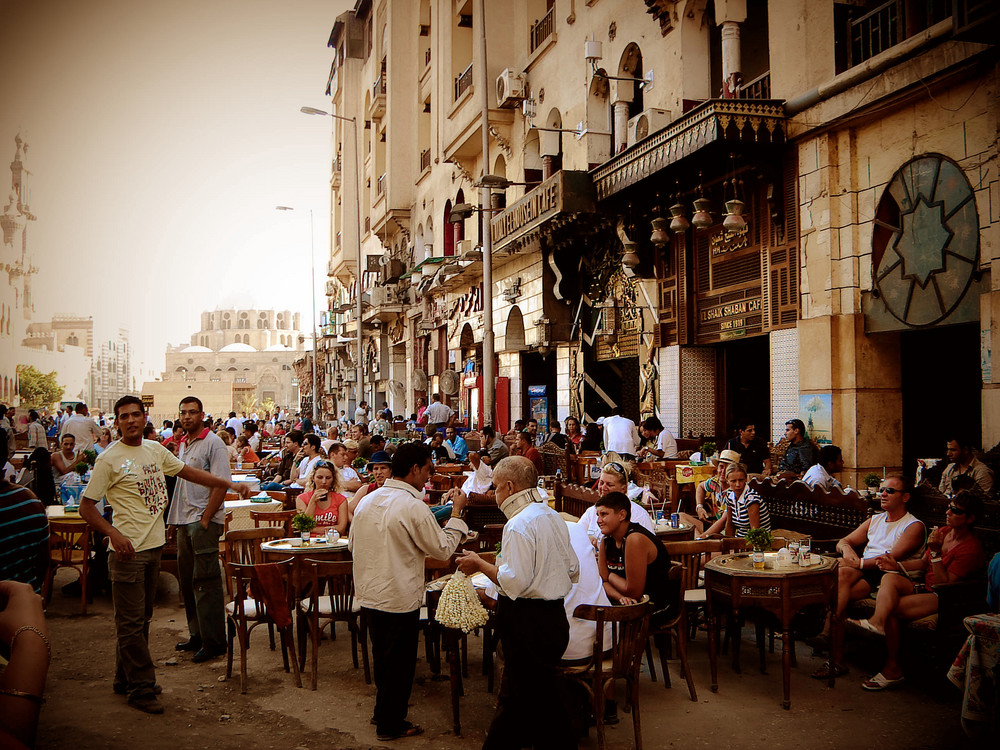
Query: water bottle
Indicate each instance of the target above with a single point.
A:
(239, 462)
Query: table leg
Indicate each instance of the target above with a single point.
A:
(786, 665)
(450, 643)
(737, 639)
(836, 633)
(713, 642)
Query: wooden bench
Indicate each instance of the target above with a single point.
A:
(796, 506)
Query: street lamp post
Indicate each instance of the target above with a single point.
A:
(312, 268)
(489, 380)
(357, 204)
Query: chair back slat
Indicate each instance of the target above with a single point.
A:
(281, 519)
(65, 538)
(692, 555)
(335, 580)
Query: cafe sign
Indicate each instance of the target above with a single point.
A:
(564, 192)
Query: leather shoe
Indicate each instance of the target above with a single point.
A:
(122, 690)
(206, 654)
(147, 703)
(191, 644)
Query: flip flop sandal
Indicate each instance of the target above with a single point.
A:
(408, 730)
(866, 625)
(823, 673)
(881, 682)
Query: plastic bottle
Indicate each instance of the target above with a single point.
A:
(239, 462)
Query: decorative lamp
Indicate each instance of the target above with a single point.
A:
(629, 258)
(702, 219)
(734, 216)
(659, 237)
(543, 326)
(679, 223)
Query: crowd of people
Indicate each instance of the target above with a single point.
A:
(144, 483)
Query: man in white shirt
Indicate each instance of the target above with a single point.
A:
(621, 436)
(81, 427)
(392, 533)
(831, 461)
(234, 423)
(438, 415)
(660, 443)
(536, 573)
(349, 478)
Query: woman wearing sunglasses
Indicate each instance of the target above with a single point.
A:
(953, 554)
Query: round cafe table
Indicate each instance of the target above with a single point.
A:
(781, 590)
(282, 549)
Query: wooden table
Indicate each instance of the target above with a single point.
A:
(783, 591)
(281, 549)
(241, 511)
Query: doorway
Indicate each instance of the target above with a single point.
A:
(942, 390)
(745, 386)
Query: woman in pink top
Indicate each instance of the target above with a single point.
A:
(953, 554)
(321, 499)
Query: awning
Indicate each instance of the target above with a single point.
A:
(740, 122)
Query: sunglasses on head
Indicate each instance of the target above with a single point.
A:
(615, 467)
(890, 490)
(956, 510)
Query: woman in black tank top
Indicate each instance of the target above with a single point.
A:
(632, 560)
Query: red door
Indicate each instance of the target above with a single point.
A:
(502, 405)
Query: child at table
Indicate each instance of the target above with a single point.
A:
(321, 500)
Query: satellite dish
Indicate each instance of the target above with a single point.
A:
(450, 382)
(419, 380)
(397, 389)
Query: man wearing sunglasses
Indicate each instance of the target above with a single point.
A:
(894, 534)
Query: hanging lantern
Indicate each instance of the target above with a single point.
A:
(543, 326)
(629, 257)
(702, 219)
(734, 220)
(659, 237)
(679, 223)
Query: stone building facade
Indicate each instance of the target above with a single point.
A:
(225, 351)
(700, 209)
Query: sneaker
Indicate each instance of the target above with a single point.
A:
(147, 703)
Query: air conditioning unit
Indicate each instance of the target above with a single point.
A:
(510, 88)
(645, 124)
(379, 296)
(463, 246)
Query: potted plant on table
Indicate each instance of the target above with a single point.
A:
(761, 541)
(303, 524)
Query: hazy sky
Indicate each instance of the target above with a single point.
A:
(162, 133)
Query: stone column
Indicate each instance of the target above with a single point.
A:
(621, 124)
(732, 77)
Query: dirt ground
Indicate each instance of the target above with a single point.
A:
(204, 710)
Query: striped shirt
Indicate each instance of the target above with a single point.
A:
(740, 508)
(24, 537)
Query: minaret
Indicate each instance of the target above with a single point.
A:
(19, 188)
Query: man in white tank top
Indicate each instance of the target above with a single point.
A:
(892, 535)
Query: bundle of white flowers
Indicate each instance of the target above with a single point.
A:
(459, 606)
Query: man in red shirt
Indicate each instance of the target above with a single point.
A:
(525, 447)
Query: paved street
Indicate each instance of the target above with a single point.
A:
(83, 712)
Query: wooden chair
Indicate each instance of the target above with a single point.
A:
(243, 545)
(247, 609)
(554, 459)
(281, 519)
(331, 600)
(675, 628)
(69, 547)
(692, 555)
(629, 627)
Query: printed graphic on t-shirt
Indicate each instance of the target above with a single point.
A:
(152, 488)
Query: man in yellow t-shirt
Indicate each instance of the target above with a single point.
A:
(130, 475)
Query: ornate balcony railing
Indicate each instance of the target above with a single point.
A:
(541, 30)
